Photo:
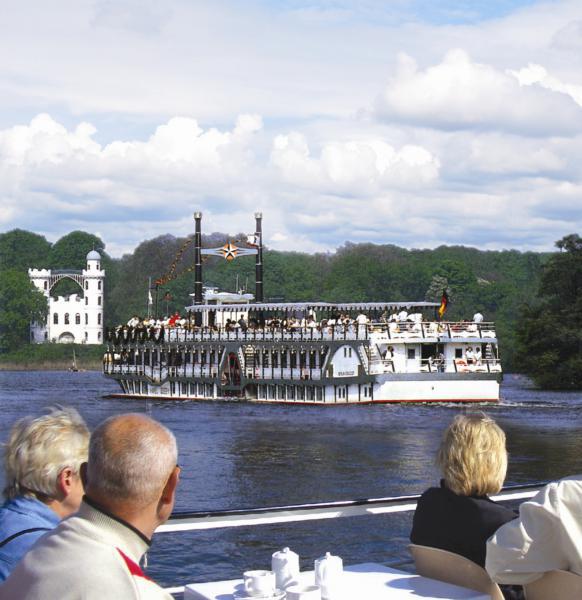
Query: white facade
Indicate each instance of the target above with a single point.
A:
(77, 318)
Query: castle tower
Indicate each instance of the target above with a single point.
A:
(75, 318)
(94, 277)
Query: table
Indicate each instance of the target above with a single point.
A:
(367, 581)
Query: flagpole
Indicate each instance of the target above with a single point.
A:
(149, 297)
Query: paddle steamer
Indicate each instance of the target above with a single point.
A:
(239, 347)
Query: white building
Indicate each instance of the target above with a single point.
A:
(77, 318)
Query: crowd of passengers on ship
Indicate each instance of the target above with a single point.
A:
(142, 329)
(78, 520)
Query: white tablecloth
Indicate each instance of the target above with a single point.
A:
(368, 581)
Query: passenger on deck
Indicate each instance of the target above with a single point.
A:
(547, 536)
(469, 356)
(43, 485)
(130, 482)
(477, 318)
(459, 516)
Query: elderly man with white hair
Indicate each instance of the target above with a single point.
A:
(130, 482)
(42, 459)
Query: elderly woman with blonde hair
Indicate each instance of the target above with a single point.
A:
(459, 516)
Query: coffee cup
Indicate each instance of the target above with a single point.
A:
(259, 583)
(303, 592)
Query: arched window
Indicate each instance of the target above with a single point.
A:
(99, 319)
(56, 319)
(77, 319)
(66, 318)
(98, 285)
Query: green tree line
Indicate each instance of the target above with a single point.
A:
(496, 283)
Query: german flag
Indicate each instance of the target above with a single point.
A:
(444, 304)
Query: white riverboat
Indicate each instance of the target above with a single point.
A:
(233, 346)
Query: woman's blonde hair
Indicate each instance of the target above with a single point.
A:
(472, 455)
(38, 449)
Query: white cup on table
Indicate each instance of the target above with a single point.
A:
(259, 583)
(303, 592)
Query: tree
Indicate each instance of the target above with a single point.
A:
(20, 303)
(549, 335)
(71, 250)
(22, 250)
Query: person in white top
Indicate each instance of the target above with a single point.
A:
(477, 355)
(130, 482)
(477, 318)
(469, 356)
(546, 536)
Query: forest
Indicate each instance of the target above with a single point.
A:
(503, 285)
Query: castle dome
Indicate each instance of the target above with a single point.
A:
(93, 255)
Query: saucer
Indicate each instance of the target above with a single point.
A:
(241, 594)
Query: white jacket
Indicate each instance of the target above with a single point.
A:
(547, 536)
(89, 556)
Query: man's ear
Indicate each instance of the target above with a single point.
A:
(168, 497)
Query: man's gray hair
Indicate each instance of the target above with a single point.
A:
(131, 458)
(38, 449)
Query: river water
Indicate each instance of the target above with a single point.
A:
(247, 455)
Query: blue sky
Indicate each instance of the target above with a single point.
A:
(416, 123)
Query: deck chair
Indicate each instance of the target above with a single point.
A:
(453, 568)
(555, 584)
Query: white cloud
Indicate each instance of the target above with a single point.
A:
(357, 166)
(458, 93)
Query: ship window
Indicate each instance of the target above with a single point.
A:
(86, 336)
(66, 318)
(99, 319)
(293, 360)
(312, 360)
(411, 354)
(86, 300)
(99, 300)
(46, 285)
(458, 353)
(275, 359)
(98, 285)
(99, 335)
(365, 391)
(86, 285)
(284, 359)
(86, 319)
(56, 319)
(77, 319)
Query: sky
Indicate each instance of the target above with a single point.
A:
(410, 122)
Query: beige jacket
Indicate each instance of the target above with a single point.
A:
(547, 536)
(90, 556)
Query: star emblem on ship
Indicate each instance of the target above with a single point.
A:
(229, 251)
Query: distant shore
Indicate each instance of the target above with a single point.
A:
(53, 357)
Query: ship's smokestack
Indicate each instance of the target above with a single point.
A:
(198, 264)
(259, 258)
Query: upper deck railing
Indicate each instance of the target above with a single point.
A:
(379, 331)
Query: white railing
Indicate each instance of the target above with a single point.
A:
(195, 521)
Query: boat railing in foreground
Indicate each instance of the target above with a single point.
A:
(199, 520)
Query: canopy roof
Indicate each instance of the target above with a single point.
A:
(296, 306)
